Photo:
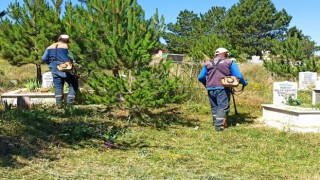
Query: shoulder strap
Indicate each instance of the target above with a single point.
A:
(215, 65)
(56, 53)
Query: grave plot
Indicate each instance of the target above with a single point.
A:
(24, 98)
(291, 118)
(286, 117)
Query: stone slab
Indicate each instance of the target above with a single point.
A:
(307, 80)
(291, 118)
(47, 80)
(27, 98)
(315, 96)
(283, 90)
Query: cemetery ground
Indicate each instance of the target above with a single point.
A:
(177, 142)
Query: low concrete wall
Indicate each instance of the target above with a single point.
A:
(27, 99)
(291, 118)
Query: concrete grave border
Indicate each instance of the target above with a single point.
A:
(291, 118)
(27, 98)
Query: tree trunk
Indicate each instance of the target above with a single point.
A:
(130, 81)
(39, 74)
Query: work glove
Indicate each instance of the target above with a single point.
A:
(245, 83)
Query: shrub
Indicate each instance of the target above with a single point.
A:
(290, 70)
(32, 85)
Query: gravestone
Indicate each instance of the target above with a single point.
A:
(315, 96)
(256, 59)
(175, 57)
(318, 83)
(316, 92)
(283, 90)
(307, 80)
(47, 80)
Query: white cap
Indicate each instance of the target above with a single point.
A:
(221, 50)
(64, 36)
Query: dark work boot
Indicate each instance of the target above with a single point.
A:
(219, 126)
(70, 100)
(59, 102)
(214, 119)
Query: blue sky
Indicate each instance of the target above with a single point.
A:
(305, 13)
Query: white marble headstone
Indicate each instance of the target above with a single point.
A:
(307, 80)
(315, 96)
(283, 90)
(47, 80)
(256, 59)
(318, 83)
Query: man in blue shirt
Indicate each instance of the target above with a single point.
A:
(56, 54)
(219, 96)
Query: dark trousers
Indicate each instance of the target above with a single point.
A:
(59, 79)
(220, 105)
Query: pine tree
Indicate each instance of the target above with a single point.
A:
(182, 34)
(205, 46)
(114, 36)
(28, 30)
(250, 25)
(201, 34)
(294, 46)
(212, 21)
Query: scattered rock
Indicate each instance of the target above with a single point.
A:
(14, 82)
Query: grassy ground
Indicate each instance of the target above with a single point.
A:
(52, 144)
(178, 142)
